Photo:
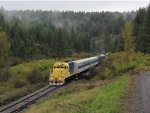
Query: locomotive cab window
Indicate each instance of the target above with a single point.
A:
(66, 67)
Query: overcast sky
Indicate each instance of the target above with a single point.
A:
(76, 5)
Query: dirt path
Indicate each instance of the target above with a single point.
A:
(138, 97)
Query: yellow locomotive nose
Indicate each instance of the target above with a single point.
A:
(58, 74)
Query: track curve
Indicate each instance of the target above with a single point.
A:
(27, 100)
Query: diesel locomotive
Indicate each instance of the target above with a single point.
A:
(64, 70)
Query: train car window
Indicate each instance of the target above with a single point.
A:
(71, 67)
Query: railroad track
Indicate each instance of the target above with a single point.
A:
(27, 100)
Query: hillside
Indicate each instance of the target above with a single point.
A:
(103, 93)
(31, 41)
(36, 34)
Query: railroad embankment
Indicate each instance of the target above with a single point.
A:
(103, 93)
(100, 97)
(26, 78)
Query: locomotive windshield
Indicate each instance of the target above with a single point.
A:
(60, 67)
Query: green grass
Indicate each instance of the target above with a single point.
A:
(97, 98)
(26, 68)
(116, 64)
(122, 62)
(18, 85)
(108, 99)
(43, 64)
(101, 99)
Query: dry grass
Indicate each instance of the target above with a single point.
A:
(102, 94)
(76, 97)
(19, 84)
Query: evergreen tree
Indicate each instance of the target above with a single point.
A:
(2, 22)
(34, 34)
(59, 44)
(107, 42)
(144, 34)
(4, 47)
(118, 44)
(138, 23)
(128, 36)
(72, 38)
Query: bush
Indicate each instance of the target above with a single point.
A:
(15, 61)
(119, 63)
(27, 67)
(123, 62)
(90, 86)
(108, 73)
(35, 76)
(19, 83)
(45, 76)
(93, 72)
(4, 74)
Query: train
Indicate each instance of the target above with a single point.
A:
(61, 71)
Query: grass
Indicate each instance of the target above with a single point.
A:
(26, 68)
(107, 99)
(101, 99)
(20, 83)
(122, 62)
(116, 64)
(97, 98)
(43, 64)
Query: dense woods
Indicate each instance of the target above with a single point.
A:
(34, 34)
(142, 30)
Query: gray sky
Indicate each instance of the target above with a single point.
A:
(75, 5)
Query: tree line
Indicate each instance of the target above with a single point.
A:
(50, 33)
(32, 34)
(135, 35)
(142, 30)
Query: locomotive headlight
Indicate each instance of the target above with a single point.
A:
(52, 78)
(59, 78)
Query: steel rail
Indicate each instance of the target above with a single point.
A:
(27, 100)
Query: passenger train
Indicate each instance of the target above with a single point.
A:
(62, 71)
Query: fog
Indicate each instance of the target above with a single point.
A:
(87, 6)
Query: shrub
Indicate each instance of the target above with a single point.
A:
(4, 74)
(35, 76)
(27, 67)
(19, 83)
(122, 62)
(93, 72)
(45, 76)
(15, 61)
(108, 73)
(90, 86)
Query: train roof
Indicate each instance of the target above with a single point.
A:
(85, 59)
(61, 63)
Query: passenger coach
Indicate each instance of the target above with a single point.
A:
(62, 70)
